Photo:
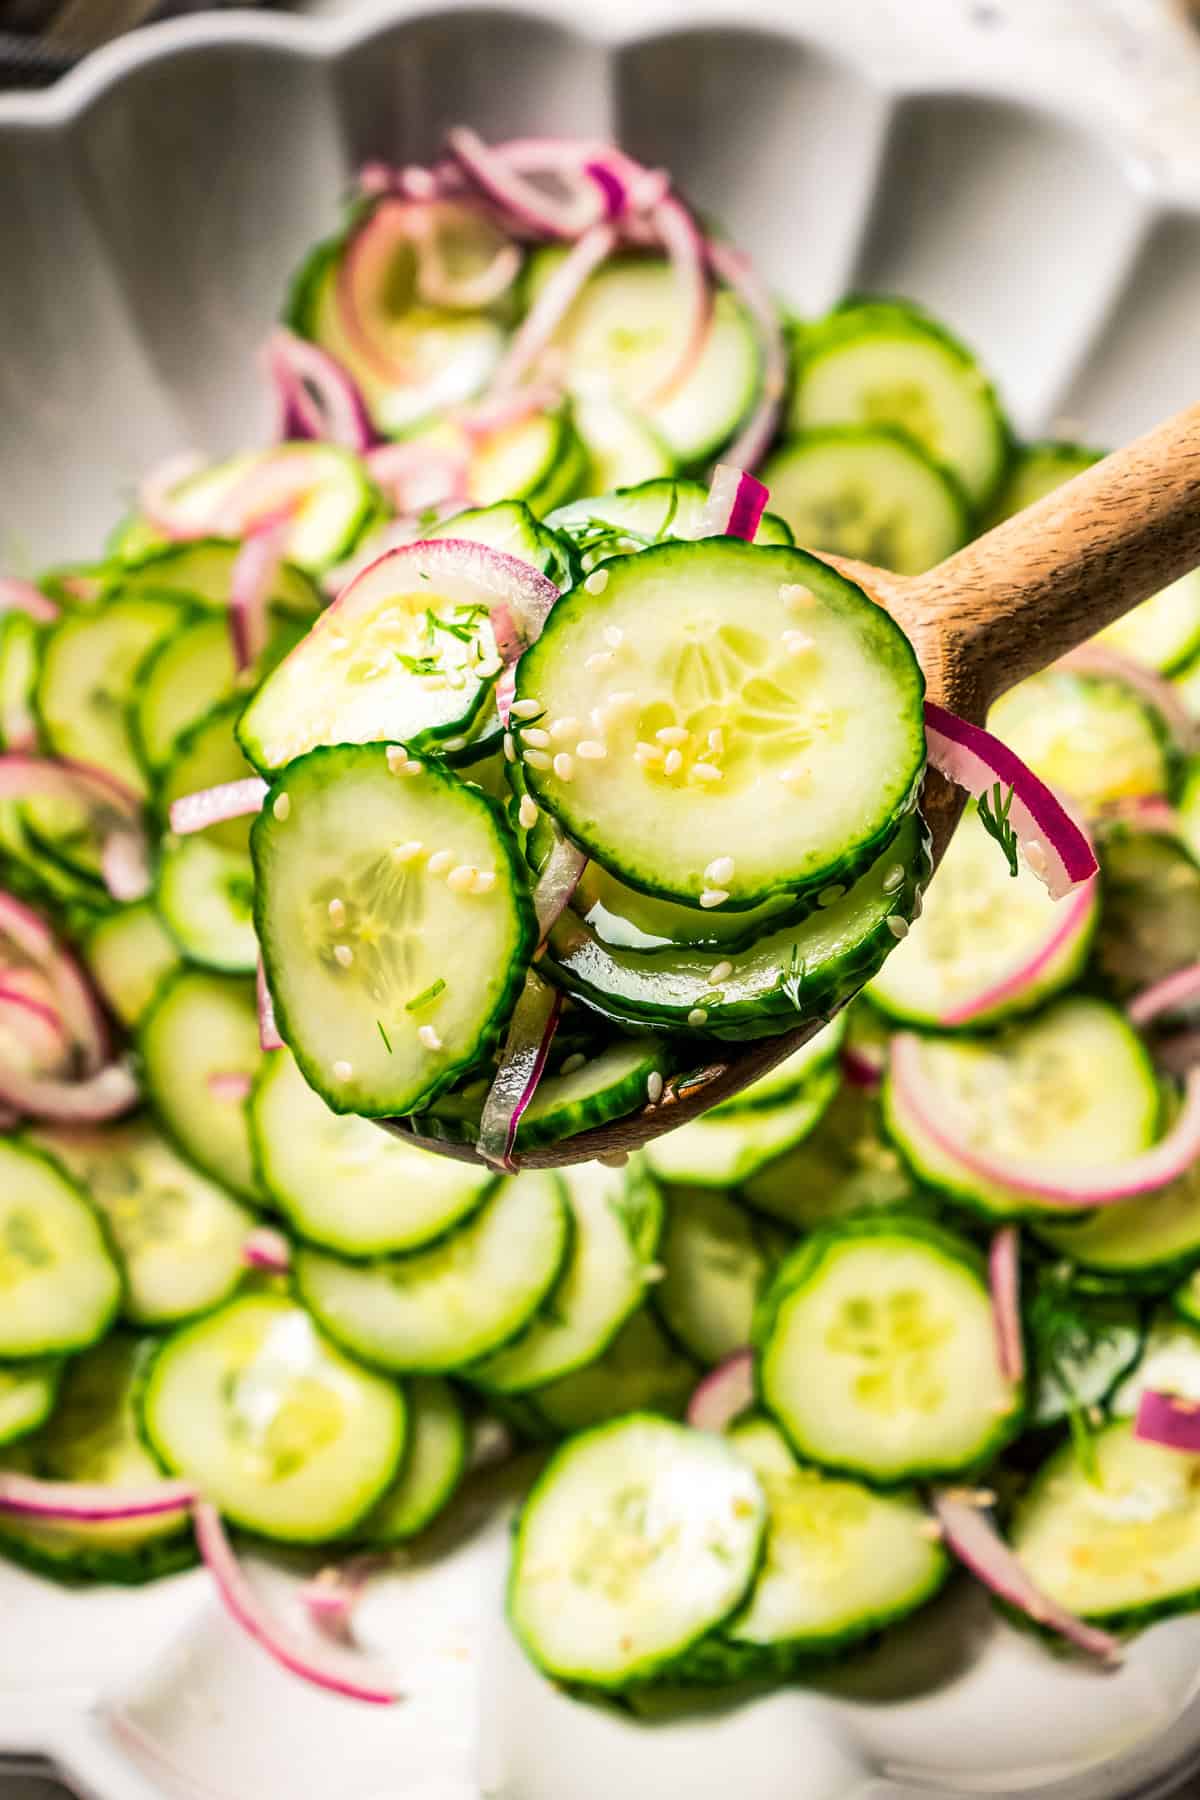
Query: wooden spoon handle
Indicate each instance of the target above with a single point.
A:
(1034, 587)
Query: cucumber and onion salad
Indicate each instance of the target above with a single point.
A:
(586, 771)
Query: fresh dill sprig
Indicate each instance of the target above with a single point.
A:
(665, 528)
(426, 996)
(790, 980)
(419, 665)
(463, 633)
(996, 824)
(387, 1042)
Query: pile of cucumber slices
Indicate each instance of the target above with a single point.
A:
(472, 759)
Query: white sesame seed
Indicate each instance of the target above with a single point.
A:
(403, 853)
(894, 878)
(599, 659)
(455, 743)
(897, 926)
(597, 581)
(591, 750)
(343, 1070)
(526, 709)
(485, 881)
(428, 1037)
(440, 861)
(599, 718)
(654, 1087)
(571, 1063)
(673, 762)
(282, 807)
(527, 813)
(796, 596)
(461, 880)
(538, 738)
(721, 973)
(719, 870)
(707, 772)
(614, 637)
(510, 749)
(400, 762)
(698, 1016)
(716, 739)
(537, 759)
(713, 897)
(343, 955)
(564, 766)
(671, 734)
(337, 912)
(648, 758)
(797, 642)
(619, 699)
(564, 728)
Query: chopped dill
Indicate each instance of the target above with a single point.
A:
(995, 823)
(429, 994)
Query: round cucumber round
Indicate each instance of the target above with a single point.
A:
(844, 1166)
(204, 893)
(1150, 921)
(27, 1395)
(641, 1371)
(61, 1285)
(717, 1259)
(86, 680)
(1147, 1242)
(128, 954)
(198, 1028)
(201, 570)
(435, 1458)
(1089, 736)
(722, 1149)
(207, 755)
(632, 518)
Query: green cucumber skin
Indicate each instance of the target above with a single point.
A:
(804, 1263)
(437, 1504)
(157, 562)
(614, 1102)
(88, 1567)
(31, 1425)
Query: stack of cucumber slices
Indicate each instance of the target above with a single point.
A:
(473, 759)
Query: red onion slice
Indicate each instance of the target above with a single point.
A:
(212, 806)
(1054, 847)
(860, 1069)
(255, 1618)
(1073, 918)
(84, 1503)
(268, 1030)
(739, 274)
(156, 497)
(970, 1534)
(1054, 1186)
(125, 865)
(724, 1393)
(526, 1048)
(1099, 659)
(107, 1094)
(556, 884)
(23, 597)
(1169, 1420)
(1172, 994)
(317, 397)
(333, 1594)
(116, 812)
(418, 475)
(496, 170)
(34, 1027)
(1004, 1281)
(267, 1249)
(553, 303)
(251, 582)
(78, 1007)
(680, 238)
(736, 502)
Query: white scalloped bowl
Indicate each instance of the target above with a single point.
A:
(151, 209)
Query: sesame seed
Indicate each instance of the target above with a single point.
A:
(510, 749)
(797, 642)
(462, 879)
(648, 758)
(571, 1063)
(599, 659)
(591, 750)
(897, 926)
(428, 1037)
(343, 955)
(894, 878)
(672, 734)
(796, 596)
(282, 807)
(707, 772)
(539, 739)
(455, 743)
(698, 1016)
(614, 637)
(597, 581)
(564, 728)
(721, 973)
(485, 881)
(719, 870)
(440, 861)
(527, 813)
(537, 759)
(526, 709)
(403, 853)
(400, 762)
(673, 762)
(337, 912)
(619, 699)
(616, 1160)
(716, 739)
(343, 1070)
(654, 1087)
(713, 897)
(564, 766)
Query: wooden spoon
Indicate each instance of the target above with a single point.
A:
(1008, 605)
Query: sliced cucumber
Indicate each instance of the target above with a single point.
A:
(717, 1259)
(177, 1235)
(510, 527)
(200, 1026)
(980, 934)
(1090, 737)
(389, 975)
(27, 1394)
(202, 571)
(638, 1538)
(190, 673)
(20, 657)
(844, 1166)
(87, 676)
(1035, 471)
(205, 898)
(624, 919)
(621, 523)
(641, 1371)
(539, 460)
(1150, 923)
(871, 494)
(206, 755)
(616, 1217)
(283, 1433)
(616, 1081)
(795, 973)
(722, 1150)
(129, 954)
(622, 449)
(1115, 1537)
(1163, 633)
(61, 1285)
(1169, 1364)
(878, 1353)
(789, 1079)
(1149, 1241)
(880, 362)
(1073, 1087)
(92, 1436)
(444, 1306)
(706, 642)
(344, 1183)
(435, 1458)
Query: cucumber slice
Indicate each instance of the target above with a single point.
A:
(622, 450)
(1163, 633)
(200, 1026)
(428, 972)
(27, 1394)
(623, 919)
(435, 1459)
(538, 460)
(638, 1538)
(205, 898)
(983, 933)
(343, 1183)
(178, 1237)
(1115, 1539)
(20, 657)
(129, 954)
(1081, 1345)
(870, 494)
(1086, 735)
(511, 528)
(1150, 922)
(704, 637)
(87, 676)
(1169, 1364)
(92, 1436)
(187, 675)
(841, 1562)
(283, 1433)
(798, 972)
(1072, 1087)
(641, 1371)
(1150, 1241)
(206, 755)
(616, 1218)
(441, 1307)
(880, 362)
(720, 1151)
(201, 571)
(1035, 471)
(629, 520)
(844, 1166)
(616, 1081)
(788, 1080)
(61, 1285)
(717, 1259)
(623, 331)
(878, 1353)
